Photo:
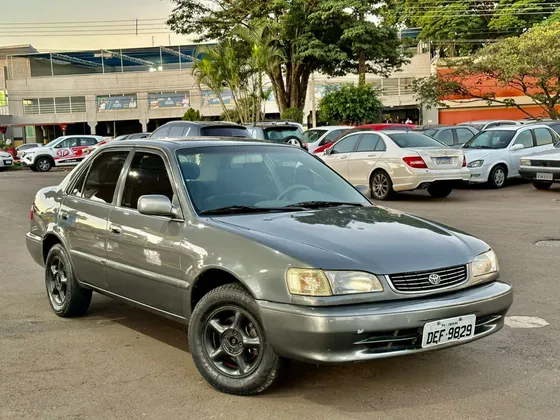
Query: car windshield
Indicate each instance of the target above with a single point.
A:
(226, 131)
(312, 136)
(412, 139)
(53, 142)
(492, 139)
(257, 179)
(280, 133)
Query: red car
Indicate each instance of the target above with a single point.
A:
(367, 127)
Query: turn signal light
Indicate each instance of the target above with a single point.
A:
(415, 162)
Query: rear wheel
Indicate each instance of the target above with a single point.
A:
(66, 297)
(498, 176)
(439, 191)
(43, 164)
(293, 141)
(228, 342)
(381, 185)
(542, 185)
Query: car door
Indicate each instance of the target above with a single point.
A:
(65, 151)
(84, 215)
(524, 138)
(338, 157)
(463, 135)
(363, 160)
(143, 252)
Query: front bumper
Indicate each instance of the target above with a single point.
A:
(362, 332)
(422, 178)
(35, 247)
(6, 162)
(531, 173)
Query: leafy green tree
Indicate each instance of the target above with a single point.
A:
(529, 64)
(463, 26)
(317, 35)
(351, 104)
(192, 115)
(292, 114)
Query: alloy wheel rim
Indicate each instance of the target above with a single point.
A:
(233, 341)
(293, 142)
(57, 282)
(380, 185)
(499, 177)
(43, 165)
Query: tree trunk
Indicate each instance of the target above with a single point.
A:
(362, 69)
(259, 97)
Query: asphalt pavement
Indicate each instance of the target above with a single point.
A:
(123, 363)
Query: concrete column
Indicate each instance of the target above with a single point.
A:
(144, 109)
(92, 127)
(39, 136)
(144, 125)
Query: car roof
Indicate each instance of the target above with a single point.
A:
(516, 127)
(192, 142)
(380, 126)
(486, 121)
(269, 124)
(205, 123)
(331, 127)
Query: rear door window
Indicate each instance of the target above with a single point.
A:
(446, 137)
(161, 132)
(543, 136)
(176, 130)
(217, 131)
(88, 141)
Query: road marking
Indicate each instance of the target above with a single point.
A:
(525, 322)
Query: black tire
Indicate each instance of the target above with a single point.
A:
(66, 297)
(381, 186)
(498, 176)
(542, 185)
(33, 168)
(439, 191)
(223, 372)
(294, 141)
(43, 164)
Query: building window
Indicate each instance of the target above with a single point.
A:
(61, 105)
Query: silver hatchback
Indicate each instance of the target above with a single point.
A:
(265, 252)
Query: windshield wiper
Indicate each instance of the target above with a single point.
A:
(319, 204)
(248, 209)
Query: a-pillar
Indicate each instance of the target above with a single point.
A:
(92, 127)
(144, 126)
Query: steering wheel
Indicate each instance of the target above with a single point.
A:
(297, 187)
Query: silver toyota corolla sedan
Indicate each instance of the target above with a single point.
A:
(265, 252)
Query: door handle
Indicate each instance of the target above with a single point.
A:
(372, 155)
(64, 215)
(115, 230)
(343, 157)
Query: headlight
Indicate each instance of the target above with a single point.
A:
(475, 164)
(486, 263)
(313, 282)
(525, 162)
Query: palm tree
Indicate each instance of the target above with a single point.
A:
(265, 55)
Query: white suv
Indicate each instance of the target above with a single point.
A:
(63, 151)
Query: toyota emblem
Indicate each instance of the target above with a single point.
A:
(434, 279)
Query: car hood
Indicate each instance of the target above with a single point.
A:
(553, 154)
(5, 155)
(477, 154)
(38, 150)
(373, 239)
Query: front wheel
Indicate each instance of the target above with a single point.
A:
(542, 185)
(498, 176)
(439, 191)
(381, 186)
(66, 296)
(43, 165)
(228, 343)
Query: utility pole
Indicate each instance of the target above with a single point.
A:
(313, 105)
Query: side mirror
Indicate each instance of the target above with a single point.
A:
(328, 151)
(157, 205)
(517, 147)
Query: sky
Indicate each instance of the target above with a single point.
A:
(52, 18)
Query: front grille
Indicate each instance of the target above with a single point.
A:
(546, 163)
(419, 281)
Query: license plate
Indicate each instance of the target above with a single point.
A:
(444, 161)
(7, 162)
(448, 330)
(545, 177)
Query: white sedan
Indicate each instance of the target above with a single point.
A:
(395, 161)
(320, 136)
(6, 160)
(494, 155)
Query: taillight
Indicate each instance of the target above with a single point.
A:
(464, 161)
(31, 214)
(415, 162)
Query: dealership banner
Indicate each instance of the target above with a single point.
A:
(210, 98)
(170, 100)
(117, 103)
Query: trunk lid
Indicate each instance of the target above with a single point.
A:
(440, 159)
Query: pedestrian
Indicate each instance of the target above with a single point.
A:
(397, 120)
(408, 121)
